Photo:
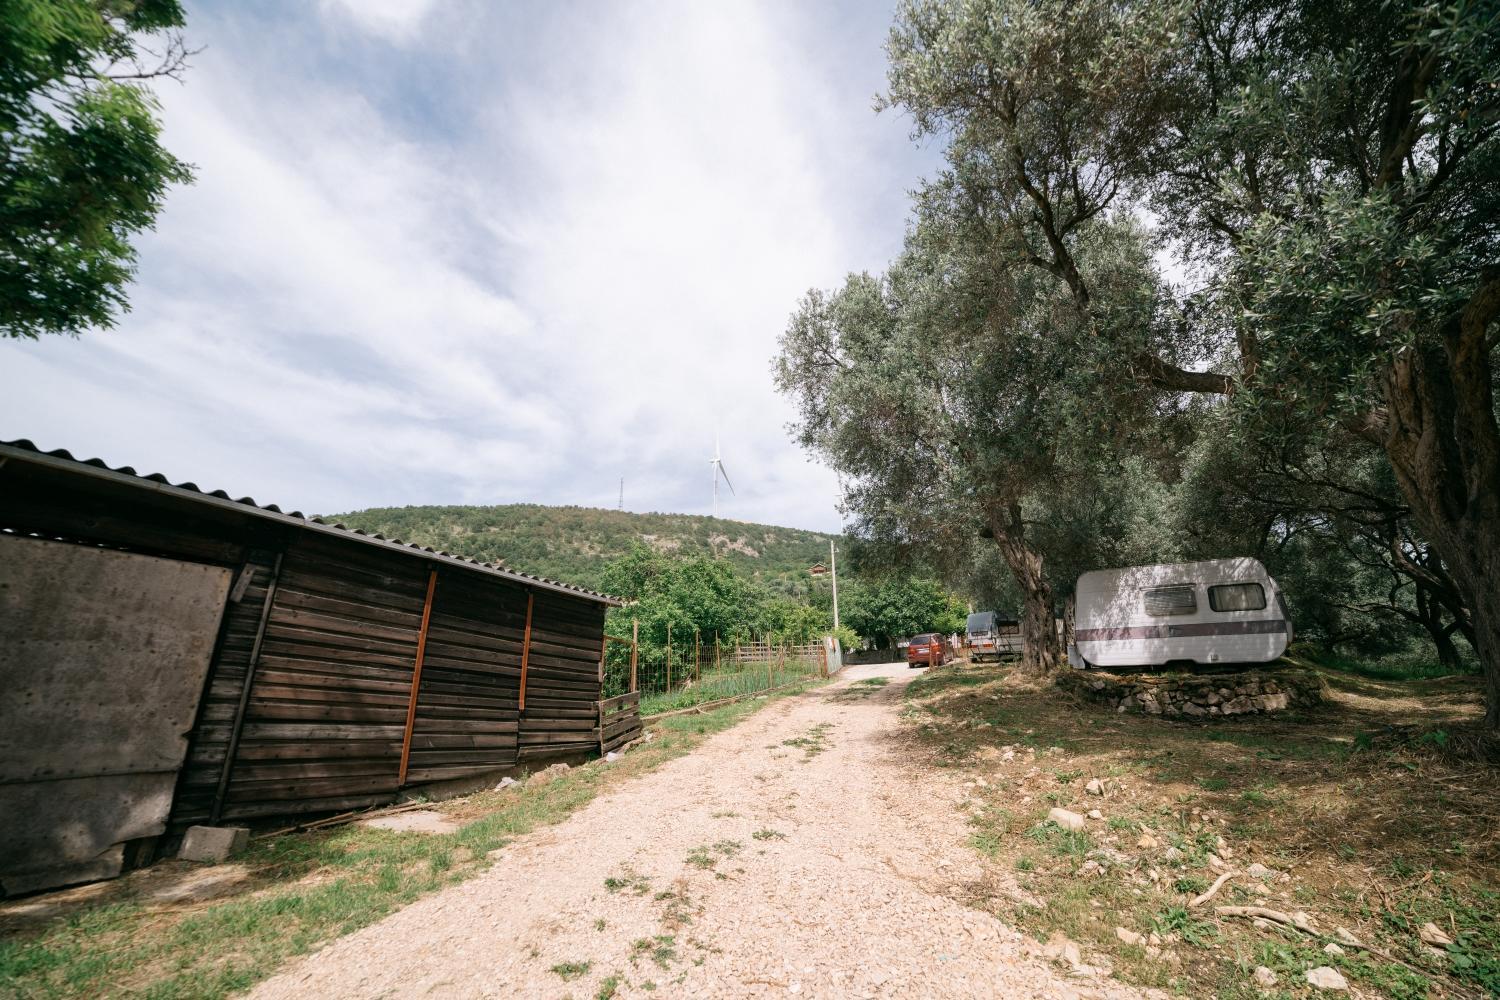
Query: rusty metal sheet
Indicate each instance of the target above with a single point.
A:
(103, 656)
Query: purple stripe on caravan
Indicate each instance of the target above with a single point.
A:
(1195, 630)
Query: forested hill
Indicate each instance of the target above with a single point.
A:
(572, 544)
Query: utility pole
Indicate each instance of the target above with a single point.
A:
(621, 504)
(833, 565)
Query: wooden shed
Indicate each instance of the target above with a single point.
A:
(172, 657)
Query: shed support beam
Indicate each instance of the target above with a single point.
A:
(525, 651)
(416, 677)
(239, 712)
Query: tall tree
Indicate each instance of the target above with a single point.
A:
(962, 387)
(82, 168)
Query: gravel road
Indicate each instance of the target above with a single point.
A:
(752, 867)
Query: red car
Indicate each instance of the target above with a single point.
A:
(926, 650)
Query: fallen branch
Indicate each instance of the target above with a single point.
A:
(341, 818)
(1218, 884)
(1297, 921)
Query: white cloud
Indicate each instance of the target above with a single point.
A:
(396, 20)
(539, 264)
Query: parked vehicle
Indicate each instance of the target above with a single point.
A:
(990, 636)
(1216, 611)
(926, 650)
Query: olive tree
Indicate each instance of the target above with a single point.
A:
(959, 390)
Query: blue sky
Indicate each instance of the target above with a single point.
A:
(464, 252)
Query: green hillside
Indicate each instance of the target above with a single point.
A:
(572, 544)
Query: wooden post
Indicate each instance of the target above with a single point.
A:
(770, 683)
(669, 656)
(697, 649)
(718, 663)
(239, 714)
(635, 646)
(525, 651)
(416, 677)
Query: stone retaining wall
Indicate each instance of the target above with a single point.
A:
(1250, 692)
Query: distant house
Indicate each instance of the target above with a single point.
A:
(818, 569)
(171, 656)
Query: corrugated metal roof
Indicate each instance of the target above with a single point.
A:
(26, 451)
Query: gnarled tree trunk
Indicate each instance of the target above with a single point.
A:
(1041, 650)
(1444, 444)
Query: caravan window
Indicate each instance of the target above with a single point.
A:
(1237, 597)
(1177, 600)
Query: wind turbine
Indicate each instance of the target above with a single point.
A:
(717, 465)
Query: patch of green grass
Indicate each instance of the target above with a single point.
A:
(608, 988)
(1178, 920)
(1025, 864)
(768, 834)
(571, 970)
(986, 843)
(1398, 667)
(1213, 784)
(872, 682)
(813, 742)
(730, 683)
(309, 889)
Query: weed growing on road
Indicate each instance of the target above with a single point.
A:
(661, 949)
(768, 834)
(628, 881)
(608, 987)
(571, 970)
(678, 910)
(706, 856)
(813, 743)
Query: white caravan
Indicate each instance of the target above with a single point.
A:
(990, 635)
(1217, 611)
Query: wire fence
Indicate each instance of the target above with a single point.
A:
(681, 676)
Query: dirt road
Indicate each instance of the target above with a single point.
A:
(799, 853)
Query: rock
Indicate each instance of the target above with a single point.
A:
(506, 782)
(213, 843)
(1094, 787)
(1089, 869)
(1346, 936)
(1066, 818)
(1260, 871)
(1128, 936)
(611, 757)
(1095, 814)
(1274, 702)
(1332, 949)
(1430, 933)
(1060, 946)
(1147, 842)
(1326, 978)
(545, 775)
(1172, 854)
(416, 821)
(1263, 977)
